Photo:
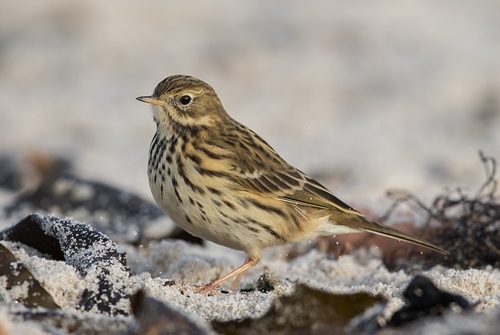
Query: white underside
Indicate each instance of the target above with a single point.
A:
(325, 227)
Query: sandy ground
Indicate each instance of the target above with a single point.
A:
(364, 96)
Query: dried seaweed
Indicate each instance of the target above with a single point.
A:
(466, 226)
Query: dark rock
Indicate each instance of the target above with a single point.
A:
(157, 318)
(425, 299)
(305, 312)
(82, 247)
(18, 275)
(121, 215)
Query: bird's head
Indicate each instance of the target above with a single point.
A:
(185, 102)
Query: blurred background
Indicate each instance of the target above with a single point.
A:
(366, 96)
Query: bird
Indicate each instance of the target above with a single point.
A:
(220, 181)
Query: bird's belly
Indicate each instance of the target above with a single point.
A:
(164, 196)
(216, 218)
(200, 217)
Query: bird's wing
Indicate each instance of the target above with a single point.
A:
(257, 167)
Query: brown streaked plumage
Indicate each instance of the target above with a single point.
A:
(220, 181)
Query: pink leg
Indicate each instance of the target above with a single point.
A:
(236, 281)
(236, 272)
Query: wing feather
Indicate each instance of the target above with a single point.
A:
(257, 167)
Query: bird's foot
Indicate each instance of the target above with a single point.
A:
(207, 289)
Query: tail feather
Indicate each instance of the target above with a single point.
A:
(380, 229)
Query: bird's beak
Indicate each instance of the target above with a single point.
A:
(151, 100)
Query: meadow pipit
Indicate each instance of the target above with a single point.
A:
(220, 181)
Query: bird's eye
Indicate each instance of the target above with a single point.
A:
(185, 100)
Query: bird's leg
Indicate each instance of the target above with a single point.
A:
(236, 281)
(249, 262)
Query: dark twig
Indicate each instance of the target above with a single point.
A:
(468, 227)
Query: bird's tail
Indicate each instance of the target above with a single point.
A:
(380, 229)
